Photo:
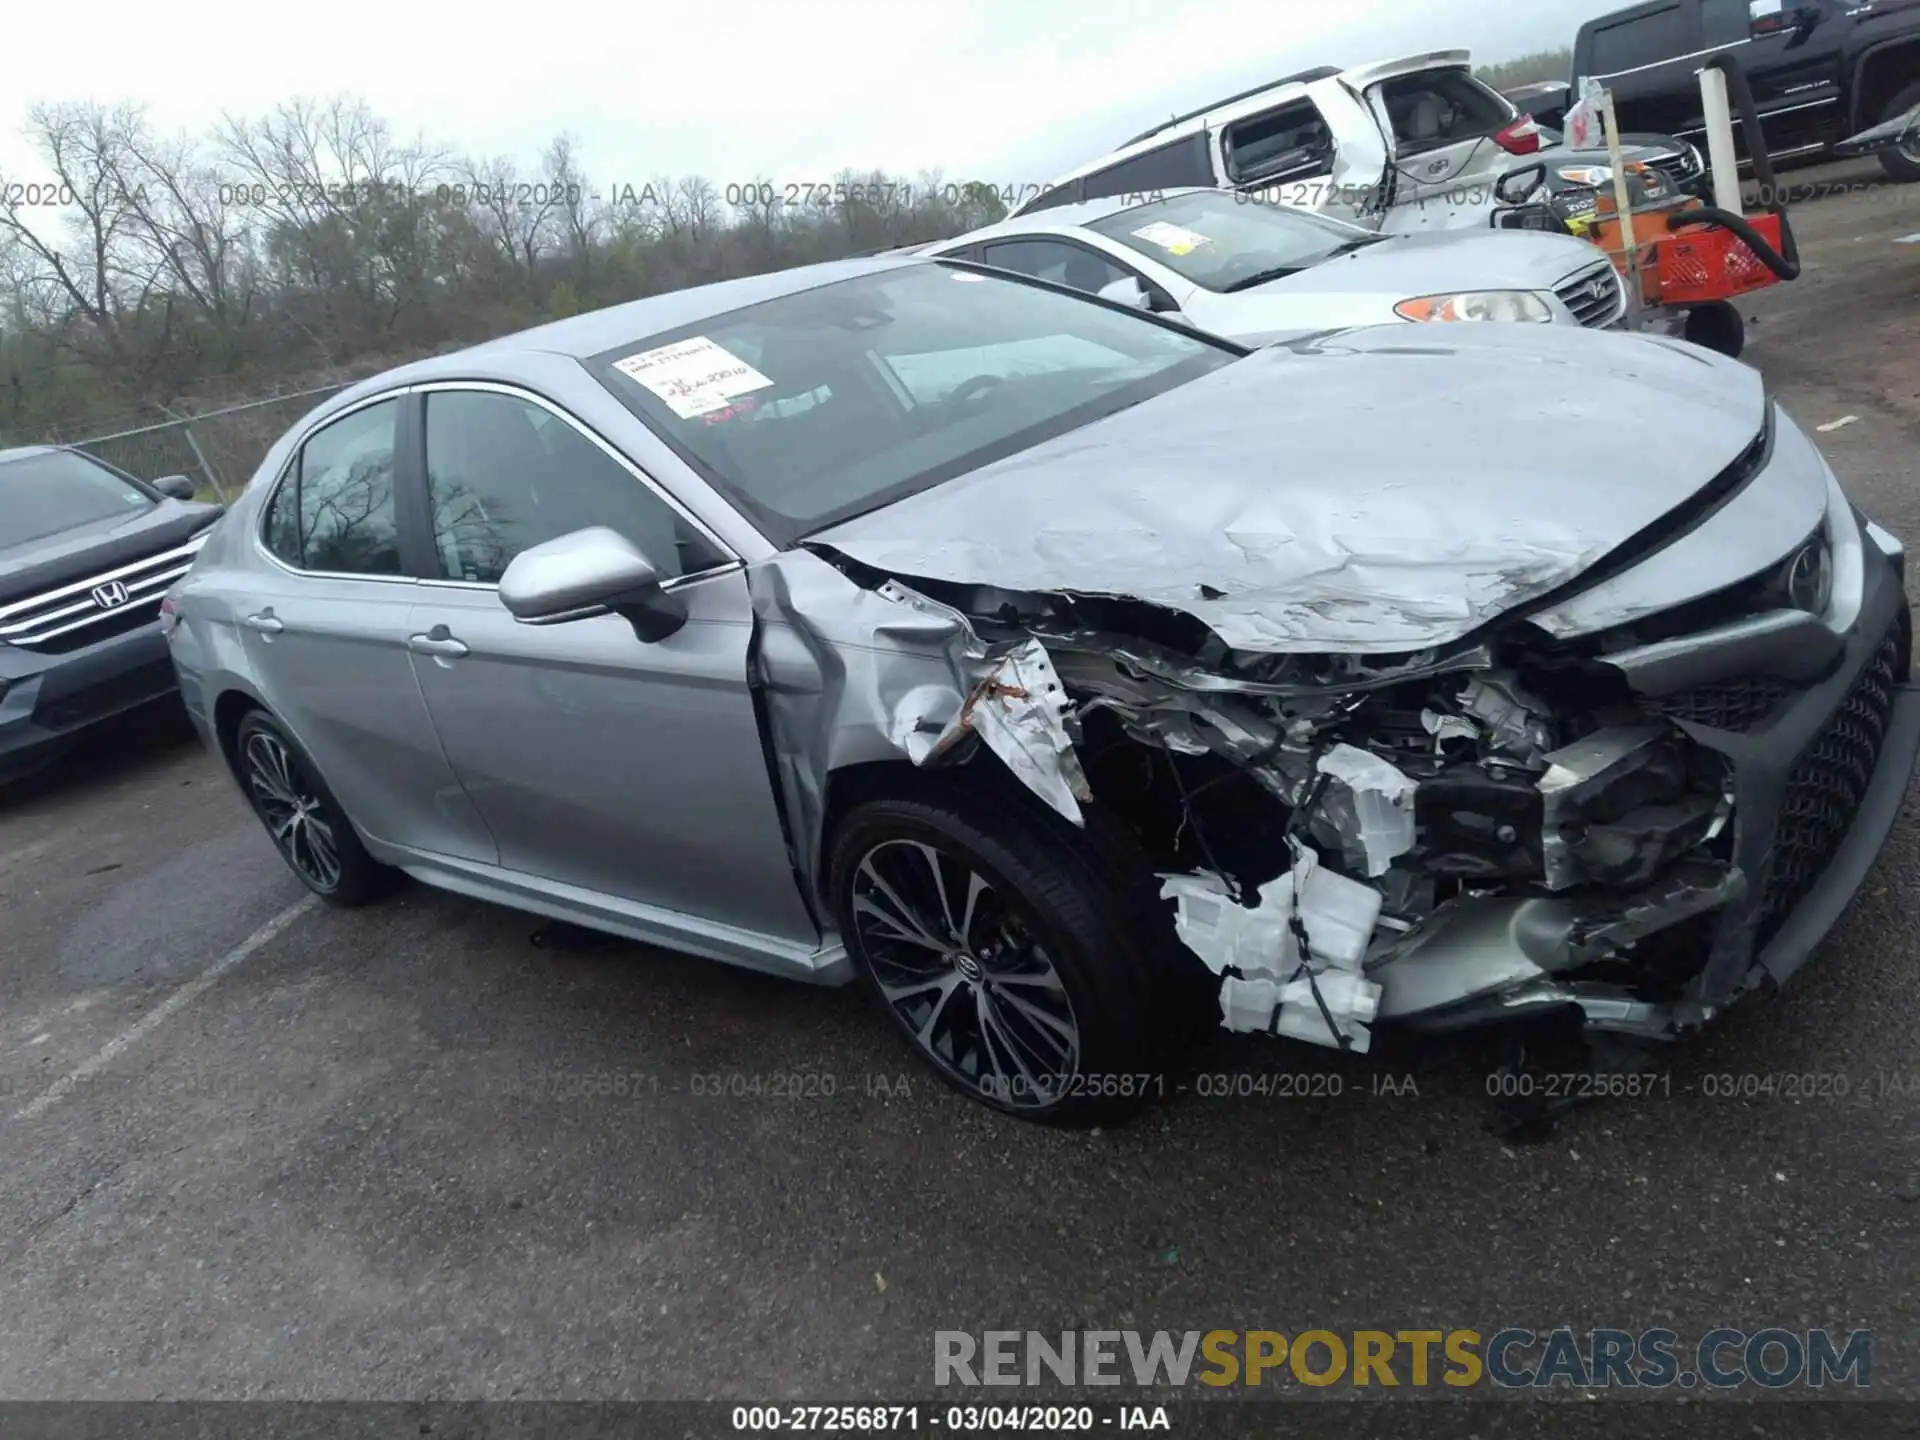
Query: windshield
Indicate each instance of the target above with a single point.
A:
(1222, 239)
(56, 490)
(824, 404)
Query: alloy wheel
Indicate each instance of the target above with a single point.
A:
(295, 814)
(965, 974)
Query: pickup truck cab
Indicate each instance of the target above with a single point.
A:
(1820, 70)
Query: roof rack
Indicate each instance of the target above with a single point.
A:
(1304, 77)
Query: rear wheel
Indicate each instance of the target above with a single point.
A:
(1024, 967)
(1903, 163)
(306, 823)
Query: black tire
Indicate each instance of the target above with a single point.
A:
(1081, 904)
(1902, 165)
(320, 844)
(1718, 325)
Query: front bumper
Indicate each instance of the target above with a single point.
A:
(48, 702)
(1818, 772)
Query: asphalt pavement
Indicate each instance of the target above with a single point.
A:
(251, 1147)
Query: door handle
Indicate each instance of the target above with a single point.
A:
(266, 622)
(439, 642)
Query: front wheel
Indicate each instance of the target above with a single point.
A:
(1021, 964)
(306, 823)
(1903, 161)
(1718, 325)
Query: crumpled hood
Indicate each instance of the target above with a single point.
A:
(1434, 261)
(1373, 492)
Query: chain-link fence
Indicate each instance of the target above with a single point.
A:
(218, 450)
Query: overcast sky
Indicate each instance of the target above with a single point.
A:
(1009, 91)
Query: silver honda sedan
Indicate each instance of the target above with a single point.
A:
(1076, 680)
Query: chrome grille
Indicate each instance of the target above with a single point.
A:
(1827, 786)
(1683, 166)
(109, 603)
(1594, 295)
(1738, 704)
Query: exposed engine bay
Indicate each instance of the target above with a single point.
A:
(1348, 839)
(1360, 816)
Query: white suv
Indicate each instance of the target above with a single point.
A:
(1410, 144)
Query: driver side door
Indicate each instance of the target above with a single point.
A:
(628, 769)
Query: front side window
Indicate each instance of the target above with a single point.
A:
(1289, 143)
(51, 491)
(1224, 241)
(1441, 107)
(1074, 266)
(505, 474)
(334, 510)
(904, 378)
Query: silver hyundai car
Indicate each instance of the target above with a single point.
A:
(1070, 677)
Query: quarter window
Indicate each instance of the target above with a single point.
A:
(334, 510)
(504, 474)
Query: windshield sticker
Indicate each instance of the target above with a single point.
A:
(693, 377)
(964, 277)
(1174, 239)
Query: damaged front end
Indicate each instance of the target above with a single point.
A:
(1477, 833)
(1451, 840)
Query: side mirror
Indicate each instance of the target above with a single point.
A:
(1127, 292)
(1516, 187)
(590, 572)
(175, 487)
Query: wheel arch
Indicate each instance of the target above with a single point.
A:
(1878, 77)
(228, 711)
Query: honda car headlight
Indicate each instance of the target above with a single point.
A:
(1512, 306)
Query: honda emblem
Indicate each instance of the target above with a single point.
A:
(110, 596)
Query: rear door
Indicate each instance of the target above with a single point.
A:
(325, 630)
(630, 769)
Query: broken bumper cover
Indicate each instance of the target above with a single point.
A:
(1819, 778)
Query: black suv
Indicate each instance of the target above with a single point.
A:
(86, 553)
(1821, 70)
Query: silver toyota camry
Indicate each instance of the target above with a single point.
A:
(1074, 680)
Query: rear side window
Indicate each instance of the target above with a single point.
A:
(1644, 40)
(1729, 22)
(1290, 143)
(505, 474)
(1441, 107)
(334, 509)
(1173, 166)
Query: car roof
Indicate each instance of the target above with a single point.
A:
(580, 337)
(27, 452)
(1065, 217)
(1265, 97)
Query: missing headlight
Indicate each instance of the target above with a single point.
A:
(1808, 575)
